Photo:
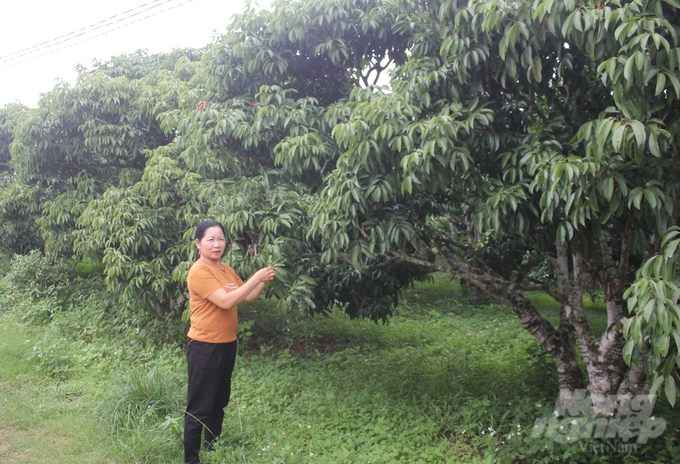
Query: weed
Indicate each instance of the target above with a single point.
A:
(52, 359)
(144, 396)
(244, 334)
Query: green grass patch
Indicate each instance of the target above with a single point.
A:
(448, 379)
(43, 420)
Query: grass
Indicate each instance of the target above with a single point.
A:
(446, 380)
(45, 421)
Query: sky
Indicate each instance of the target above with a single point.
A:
(91, 29)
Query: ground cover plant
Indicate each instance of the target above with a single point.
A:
(448, 379)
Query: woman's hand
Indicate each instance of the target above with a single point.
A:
(265, 274)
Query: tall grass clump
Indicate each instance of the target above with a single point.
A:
(144, 411)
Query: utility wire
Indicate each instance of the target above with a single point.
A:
(105, 23)
(8, 61)
(79, 32)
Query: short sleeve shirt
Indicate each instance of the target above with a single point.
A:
(208, 322)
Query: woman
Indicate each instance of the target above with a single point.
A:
(214, 294)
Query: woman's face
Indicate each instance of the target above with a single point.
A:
(212, 245)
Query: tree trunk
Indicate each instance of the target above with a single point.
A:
(569, 375)
(607, 371)
(635, 382)
(559, 343)
(603, 357)
(157, 306)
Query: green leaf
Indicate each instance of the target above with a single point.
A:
(669, 235)
(608, 188)
(639, 131)
(665, 323)
(670, 390)
(537, 68)
(628, 68)
(648, 309)
(651, 198)
(660, 83)
(628, 323)
(605, 127)
(611, 67)
(676, 339)
(675, 83)
(637, 199)
(407, 184)
(617, 136)
(628, 349)
(636, 329)
(669, 251)
(658, 380)
(511, 66)
(568, 25)
(653, 145)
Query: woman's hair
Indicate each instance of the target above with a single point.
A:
(205, 225)
(202, 227)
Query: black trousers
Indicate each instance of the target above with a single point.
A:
(210, 368)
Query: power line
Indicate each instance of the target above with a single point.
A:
(73, 34)
(9, 61)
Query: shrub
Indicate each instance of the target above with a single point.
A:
(34, 311)
(5, 263)
(37, 275)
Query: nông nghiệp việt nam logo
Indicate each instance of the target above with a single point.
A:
(626, 419)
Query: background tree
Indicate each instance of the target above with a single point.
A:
(18, 210)
(253, 144)
(84, 139)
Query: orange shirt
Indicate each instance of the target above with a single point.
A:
(209, 322)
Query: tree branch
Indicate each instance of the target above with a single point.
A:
(574, 296)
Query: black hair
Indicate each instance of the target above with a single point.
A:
(202, 227)
(205, 225)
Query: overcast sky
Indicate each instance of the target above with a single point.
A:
(27, 27)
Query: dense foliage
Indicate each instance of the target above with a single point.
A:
(18, 211)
